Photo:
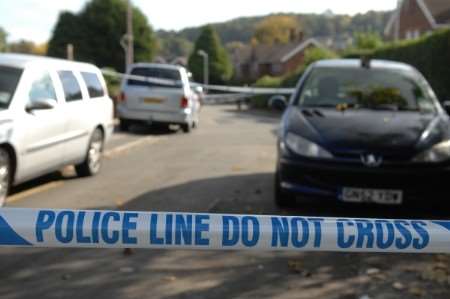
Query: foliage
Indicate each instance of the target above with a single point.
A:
(429, 54)
(367, 40)
(220, 68)
(311, 55)
(3, 36)
(260, 101)
(96, 32)
(276, 29)
(173, 46)
(243, 29)
(27, 47)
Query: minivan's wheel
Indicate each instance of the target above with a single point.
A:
(186, 128)
(282, 199)
(124, 125)
(5, 175)
(91, 166)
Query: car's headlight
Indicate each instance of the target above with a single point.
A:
(438, 153)
(304, 147)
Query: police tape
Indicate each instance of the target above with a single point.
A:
(167, 230)
(222, 88)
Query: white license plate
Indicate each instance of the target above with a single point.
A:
(384, 197)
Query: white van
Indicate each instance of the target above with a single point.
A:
(154, 103)
(53, 113)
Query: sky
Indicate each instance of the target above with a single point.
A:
(35, 19)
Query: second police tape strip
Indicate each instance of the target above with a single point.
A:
(166, 230)
(222, 88)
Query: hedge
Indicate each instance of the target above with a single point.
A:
(429, 54)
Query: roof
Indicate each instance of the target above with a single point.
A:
(24, 60)
(275, 53)
(356, 63)
(439, 9)
(437, 12)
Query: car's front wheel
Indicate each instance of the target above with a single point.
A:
(5, 175)
(93, 162)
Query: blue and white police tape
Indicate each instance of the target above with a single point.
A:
(230, 89)
(114, 229)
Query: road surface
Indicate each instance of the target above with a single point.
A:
(224, 166)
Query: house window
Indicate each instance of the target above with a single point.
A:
(277, 68)
(409, 34)
(416, 33)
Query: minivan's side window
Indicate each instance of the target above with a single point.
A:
(72, 90)
(42, 88)
(93, 84)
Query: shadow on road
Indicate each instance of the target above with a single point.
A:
(142, 129)
(253, 194)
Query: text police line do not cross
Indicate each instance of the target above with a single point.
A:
(114, 229)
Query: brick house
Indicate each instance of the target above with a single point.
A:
(414, 18)
(253, 62)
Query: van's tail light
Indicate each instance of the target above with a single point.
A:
(122, 97)
(184, 102)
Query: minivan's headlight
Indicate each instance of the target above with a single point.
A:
(438, 153)
(304, 147)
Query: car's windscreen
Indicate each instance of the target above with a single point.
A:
(9, 78)
(158, 73)
(366, 88)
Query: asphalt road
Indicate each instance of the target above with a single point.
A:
(224, 166)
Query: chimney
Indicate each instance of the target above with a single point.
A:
(292, 35)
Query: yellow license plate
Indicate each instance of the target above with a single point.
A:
(152, 100)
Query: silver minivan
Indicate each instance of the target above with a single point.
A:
(53, 113)
(150, 102)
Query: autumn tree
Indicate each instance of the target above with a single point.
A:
(276, 29)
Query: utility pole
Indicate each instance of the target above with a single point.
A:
(69, 51)
(130, 38)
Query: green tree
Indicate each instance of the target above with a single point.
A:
(367, 40)
(3, 36)
(276, 29)
(96, 33)
(220, 67)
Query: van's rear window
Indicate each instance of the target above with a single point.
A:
(154, 72)
(9, 79)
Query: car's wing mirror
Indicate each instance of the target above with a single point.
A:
(278, 103)
(446, 105)
(40, 104)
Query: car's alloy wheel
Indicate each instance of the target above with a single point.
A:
(92, 164)
(5, 176)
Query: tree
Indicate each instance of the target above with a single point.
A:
(3, 36)
(173, 46)
(96, 33)
(220, 67)
(276, 29)
(368, 40)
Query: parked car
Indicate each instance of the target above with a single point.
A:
(363, 132)
(53, 113)
(169, 101)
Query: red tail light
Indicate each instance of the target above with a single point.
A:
(184, 102)
(122, 97)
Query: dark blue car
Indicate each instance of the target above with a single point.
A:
(363, 131)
